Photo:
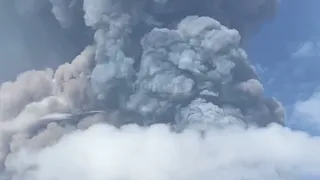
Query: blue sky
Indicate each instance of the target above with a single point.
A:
(286, 53)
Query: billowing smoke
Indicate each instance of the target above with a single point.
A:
(161, 90)
(188, 61)
(104, 152)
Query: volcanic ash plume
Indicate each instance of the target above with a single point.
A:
(197, 60)
(35, 94)
(165, 91)
(197, 72)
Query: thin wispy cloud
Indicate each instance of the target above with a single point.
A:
(308, 49)
(307, 111)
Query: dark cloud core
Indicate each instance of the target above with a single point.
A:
(31, 36)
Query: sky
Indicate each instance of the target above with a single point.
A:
(286, 54)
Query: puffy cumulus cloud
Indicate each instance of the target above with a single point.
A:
(307, 113)
(132, 152)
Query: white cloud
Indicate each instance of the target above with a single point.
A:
(308, 49)
(308, 111)
(154, 153)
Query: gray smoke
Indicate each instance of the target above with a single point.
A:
(32, 37)
(150, 62)
(199, 61)
(36, 94)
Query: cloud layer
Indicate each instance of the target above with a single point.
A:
(156, 153)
